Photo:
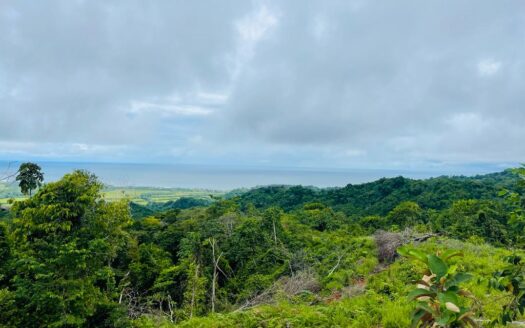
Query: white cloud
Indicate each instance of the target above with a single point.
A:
(250, 30)
(254, 26)
(320, 27)
(192, 104)
(138, 107)
(62, 150)
(488, 67)
(468, 122)
(212, 98)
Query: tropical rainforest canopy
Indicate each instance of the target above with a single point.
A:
(276, 256)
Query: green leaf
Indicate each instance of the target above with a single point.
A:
(426, 307)
(448, 254)
(513, 259)
(419, 292)
(444, 320)
(437, 266)
(413, 253)
(403, 251)
(448, 296)
(417, 316)
(454, 289)
(457, 279)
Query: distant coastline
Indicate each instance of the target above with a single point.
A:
(226, 178)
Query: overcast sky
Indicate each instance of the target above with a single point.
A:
(283, 83)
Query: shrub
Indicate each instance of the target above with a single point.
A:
(511, 280)
(439, 297)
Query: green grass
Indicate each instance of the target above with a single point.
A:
(144, 195)
(139, 195)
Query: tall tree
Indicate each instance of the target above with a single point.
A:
(30, 177)
(405, 214)
(66, 238)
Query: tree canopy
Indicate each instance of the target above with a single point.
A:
(30, 177)
(68, 258)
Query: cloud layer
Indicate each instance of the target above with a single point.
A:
(339, 83)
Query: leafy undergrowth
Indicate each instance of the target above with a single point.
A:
(378, 300)
(368, 310)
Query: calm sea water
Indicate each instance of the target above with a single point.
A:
(226, 178)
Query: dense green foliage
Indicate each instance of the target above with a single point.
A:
(142, 211)
(9, 190)
(438, 292)
(150, 197)
(512, 280)
(29, 177)
(312, 258)
(381, 196)
(62, 245)
(184, 203)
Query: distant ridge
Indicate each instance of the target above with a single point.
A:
(381, 196)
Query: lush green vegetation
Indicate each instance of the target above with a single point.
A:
(381, 196)
(144, 196)
(9, 191)
(70, 256)
(148, 195)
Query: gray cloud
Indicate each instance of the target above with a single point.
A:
(343, 83)
(72, 70)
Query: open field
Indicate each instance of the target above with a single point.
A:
(144, 195)
(139, 195)
(9, 191)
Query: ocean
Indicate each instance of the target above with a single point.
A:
(230, 177)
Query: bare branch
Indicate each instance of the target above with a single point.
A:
(339, 257)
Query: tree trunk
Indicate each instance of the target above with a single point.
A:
(274, 232)
(170, 308)
(214, 277)
(216, 270)
(193, 290)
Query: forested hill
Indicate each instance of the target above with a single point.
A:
(69, 257)
(381, 196)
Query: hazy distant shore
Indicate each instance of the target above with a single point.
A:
(231, 177)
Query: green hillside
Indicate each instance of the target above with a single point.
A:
(381, 196)
(298, 257)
